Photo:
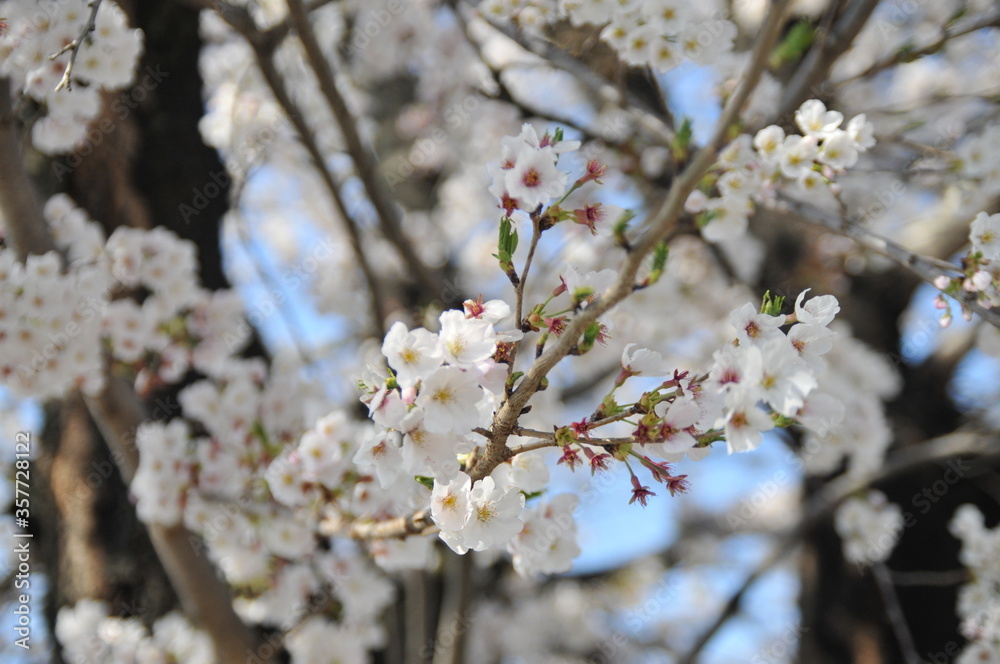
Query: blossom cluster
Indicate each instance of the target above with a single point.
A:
(55, 313)
(661, 34)
(106, 61)
(770, 366)
(977, 600)
(89, 634)
(980, 268)
(869, 528)
(750, 170)
(443, 386)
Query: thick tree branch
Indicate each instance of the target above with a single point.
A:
(20, 210)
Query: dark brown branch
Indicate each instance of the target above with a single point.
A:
(74, 46)
(894, 611)
(20, 209)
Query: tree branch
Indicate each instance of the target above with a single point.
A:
(902, 56)
(657, 229)
(817, 63)
(364, 159)
(830, 496)
(74, 46)
(20, 210)
(926, 268)
(894, 611)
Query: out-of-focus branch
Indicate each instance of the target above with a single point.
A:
(894, 611)
(817, 63)
(835, 492)
(926, 268)
(640, 112)
(909, 55)
(381, 199)
(20, 210)
(263, 46)
(204, 596)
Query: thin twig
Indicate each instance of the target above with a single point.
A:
(950, 577)
(658, 128)
(901, 56)
(922, 266)
(895, 613)
(74, 46)
(836, 491)
(264, 49)
(363, 157)
(816, 65)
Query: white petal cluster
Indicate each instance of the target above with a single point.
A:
(660, 34)
(765, 365)
(547, 544)
(752, 169)
(979, 600)
(527, 175)
(869, 528)
(476, 517)
(88, 634)
(446, 385)
(106, 61)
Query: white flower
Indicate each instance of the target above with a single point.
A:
(768, 141)
(814, 120)
(744, 421)
(797, 155)
(985, 235)
(449, 397)
(786, 379)
(677, 417)
(450, 503)
(752, 327)
(465, 341)
(534, 179)
(643, 362)
(861, 132)
(869, 528)
(495, 517)
(729, 219)
(412, 355)
(381, 452)
(817, 311)
(838, 150)
(547, 543)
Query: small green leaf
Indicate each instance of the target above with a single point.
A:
(426, 481)
(796, 42)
